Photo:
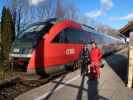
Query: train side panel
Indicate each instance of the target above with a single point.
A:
(50, 55)
(61, 54)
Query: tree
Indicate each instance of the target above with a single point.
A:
(59, 9)
(43, 11)
(0, 44)
(71, 12)
(19, 10)
(7, 32)
(24, 13)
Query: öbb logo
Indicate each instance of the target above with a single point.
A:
(70, 51)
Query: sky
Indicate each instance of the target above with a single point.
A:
(114, 13)
(1, 5)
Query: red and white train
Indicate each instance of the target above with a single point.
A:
(49, 47)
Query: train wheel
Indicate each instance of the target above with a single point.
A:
(70, 66)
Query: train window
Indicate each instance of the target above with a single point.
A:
(33, 33)
(60, 38)
(97, 37)
(80, 36)
(57, 39)
(71, 35)
(34, 29)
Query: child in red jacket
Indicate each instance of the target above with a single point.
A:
(95, 59)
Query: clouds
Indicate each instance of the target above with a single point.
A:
(106, 5)
(35, 2)
(129, 16)
(94, 14)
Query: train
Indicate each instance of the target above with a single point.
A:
(54, 45)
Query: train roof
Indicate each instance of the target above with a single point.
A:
(51, 20)
(56, 20)
(47, 21)
(90, 27)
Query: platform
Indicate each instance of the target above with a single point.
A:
(72, 86)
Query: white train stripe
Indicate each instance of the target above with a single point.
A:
(20, 55)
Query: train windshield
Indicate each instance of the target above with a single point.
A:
(33, 33)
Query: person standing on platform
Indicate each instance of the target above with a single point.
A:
(95, 60)
(84, 60)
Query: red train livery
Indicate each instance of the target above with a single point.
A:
(55, 45)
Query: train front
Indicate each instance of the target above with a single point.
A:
(26, 42)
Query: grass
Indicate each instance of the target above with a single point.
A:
(6, 72)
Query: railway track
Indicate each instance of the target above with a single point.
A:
(10, 90)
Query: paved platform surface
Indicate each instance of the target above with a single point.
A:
(75, 87)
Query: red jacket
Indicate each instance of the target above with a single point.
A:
(95, 55)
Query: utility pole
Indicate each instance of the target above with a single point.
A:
(130, 63)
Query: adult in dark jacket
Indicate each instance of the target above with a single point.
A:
(84, 60)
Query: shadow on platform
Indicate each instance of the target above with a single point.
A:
(92, 90)
(119, 63)
(81, 87)
(54, 88)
